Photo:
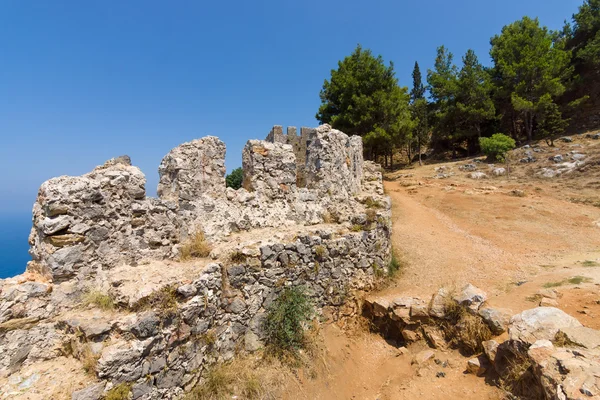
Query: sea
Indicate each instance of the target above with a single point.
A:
(14, 233)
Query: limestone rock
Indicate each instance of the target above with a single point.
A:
(490, 348)
(92, 392)
(581, 336)
(471, 297)
(539, 323)
(477, 366)
(422, 357)
(477, 175)
(496, 318)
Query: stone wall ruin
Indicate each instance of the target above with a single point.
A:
(311, 213)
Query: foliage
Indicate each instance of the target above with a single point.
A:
(497, 146)
(394, 265)
(195, 247)
(363, 98)
(286, 321)
(551, 122)
(419, 110)
(473, 98)
(443, 80)
(235, 178)
(530, 67)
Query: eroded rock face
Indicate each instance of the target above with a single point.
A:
(99, 220)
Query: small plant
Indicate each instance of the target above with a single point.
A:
(377, 271)
(164, 301)
(357, 228)
(518, 377)
(371, 216)
(576, 280)
(119, 392)
(394, 265)
(238, 257)
(287, 319)
(588, 263)
(235, 178)
(95, 297)
(370, 203)
(320, 252)
(88, 359)
(209, 337)
(316, 268)
(497, 146)
(195, 247)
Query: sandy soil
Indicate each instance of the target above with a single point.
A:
(452, 231)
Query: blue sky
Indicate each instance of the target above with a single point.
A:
(84, 81)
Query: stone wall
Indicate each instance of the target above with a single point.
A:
(99, 220)
(162, 352)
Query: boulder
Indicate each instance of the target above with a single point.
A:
(477, 175)
(471, 297)
(477, 365)
(496, 318)
(539, 323)
(581, 336)
(499, 171)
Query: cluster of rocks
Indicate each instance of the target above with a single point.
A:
(552, 352)
(97, 238)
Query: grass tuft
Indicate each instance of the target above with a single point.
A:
(97, 298)
(238, 257)
(163, 301)
(119, 392)
(576, 280)
(195, 247)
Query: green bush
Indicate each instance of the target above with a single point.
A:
(287, 318)
(234, 179)
(497, 146)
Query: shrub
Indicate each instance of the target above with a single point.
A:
(320, 252)
(234, 179)
(195, 247)
(163, 301)
(286, 320)
(99, 299)
(497, 146)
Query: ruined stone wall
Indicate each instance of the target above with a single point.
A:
(163, 352)
(99, 220)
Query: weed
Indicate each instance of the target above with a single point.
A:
(394, 265)
(576, 280)
(320, 252)
(89, 359)
(562, 340)
(371, 216)
(589, 263)
(209, 337)
(357, 228)
(238, 257)
(316, 268)
(286, 321)
(95, 297)
(378, 271)
(119, 392)
(195, 247)
(371, 203)
(164, 301)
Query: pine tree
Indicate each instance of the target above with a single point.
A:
(473, 100)
(419, 109)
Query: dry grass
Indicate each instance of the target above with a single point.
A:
(18, 323)
(237, 257)
(163, 301)
(248, 377)
(357, 228)
(88, 359)
(99, 299)
(589, 263)
(463, 329)
(519, 379)
(195, 247)
(320, 252)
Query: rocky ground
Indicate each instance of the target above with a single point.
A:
(529, 238)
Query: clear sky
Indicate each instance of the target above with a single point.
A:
(84, 81)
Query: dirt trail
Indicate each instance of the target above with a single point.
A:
(452, 231)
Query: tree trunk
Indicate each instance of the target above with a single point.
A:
(419, 150)
(529, 126)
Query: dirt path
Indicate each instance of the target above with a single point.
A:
(452, 231)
